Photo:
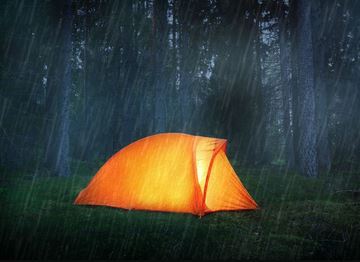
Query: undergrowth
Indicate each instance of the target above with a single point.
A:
(299, 218)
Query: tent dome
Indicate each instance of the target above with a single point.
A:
(172, 172)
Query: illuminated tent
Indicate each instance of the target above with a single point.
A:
(172, 172)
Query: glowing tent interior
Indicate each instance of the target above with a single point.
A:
(171, 172)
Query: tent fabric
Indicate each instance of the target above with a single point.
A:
(171, 172)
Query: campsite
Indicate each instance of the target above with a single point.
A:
(180, 129)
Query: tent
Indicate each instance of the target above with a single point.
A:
(171, 172)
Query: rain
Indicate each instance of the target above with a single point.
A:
(83, 80)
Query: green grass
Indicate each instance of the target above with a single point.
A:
(300, 218)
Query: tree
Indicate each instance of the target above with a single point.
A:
(58, 154)
(124, 93)
(322, 111)
(285, 71)
(160, 36)
(185, 26)
(305, 90)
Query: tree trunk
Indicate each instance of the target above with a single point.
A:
(85, 138)
(263, 102)
(294, 84)
(285, 70)
(185, 65)
(57, 154)
(159, 48)
(323, 145)
(128, 116)
(306, 91)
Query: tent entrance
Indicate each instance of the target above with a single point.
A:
(204, 152)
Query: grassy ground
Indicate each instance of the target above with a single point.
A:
(299, 218)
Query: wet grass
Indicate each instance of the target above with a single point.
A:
(300, 218)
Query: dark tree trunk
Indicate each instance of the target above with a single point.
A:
(126, 120)
(84, 140)
(57, 153)
(174, 30)
(285, 68)
(160, 43)
(306, 91)
(263, 103)
(185, 64)
(323, 145)
(294, 84)
(260, 131)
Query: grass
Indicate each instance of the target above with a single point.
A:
(300, 218)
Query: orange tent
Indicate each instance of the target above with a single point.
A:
(169, 172)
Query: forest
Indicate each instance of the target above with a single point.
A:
(278, 79)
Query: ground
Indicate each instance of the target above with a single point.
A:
(300, 218)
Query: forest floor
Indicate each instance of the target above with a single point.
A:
(299, 218)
